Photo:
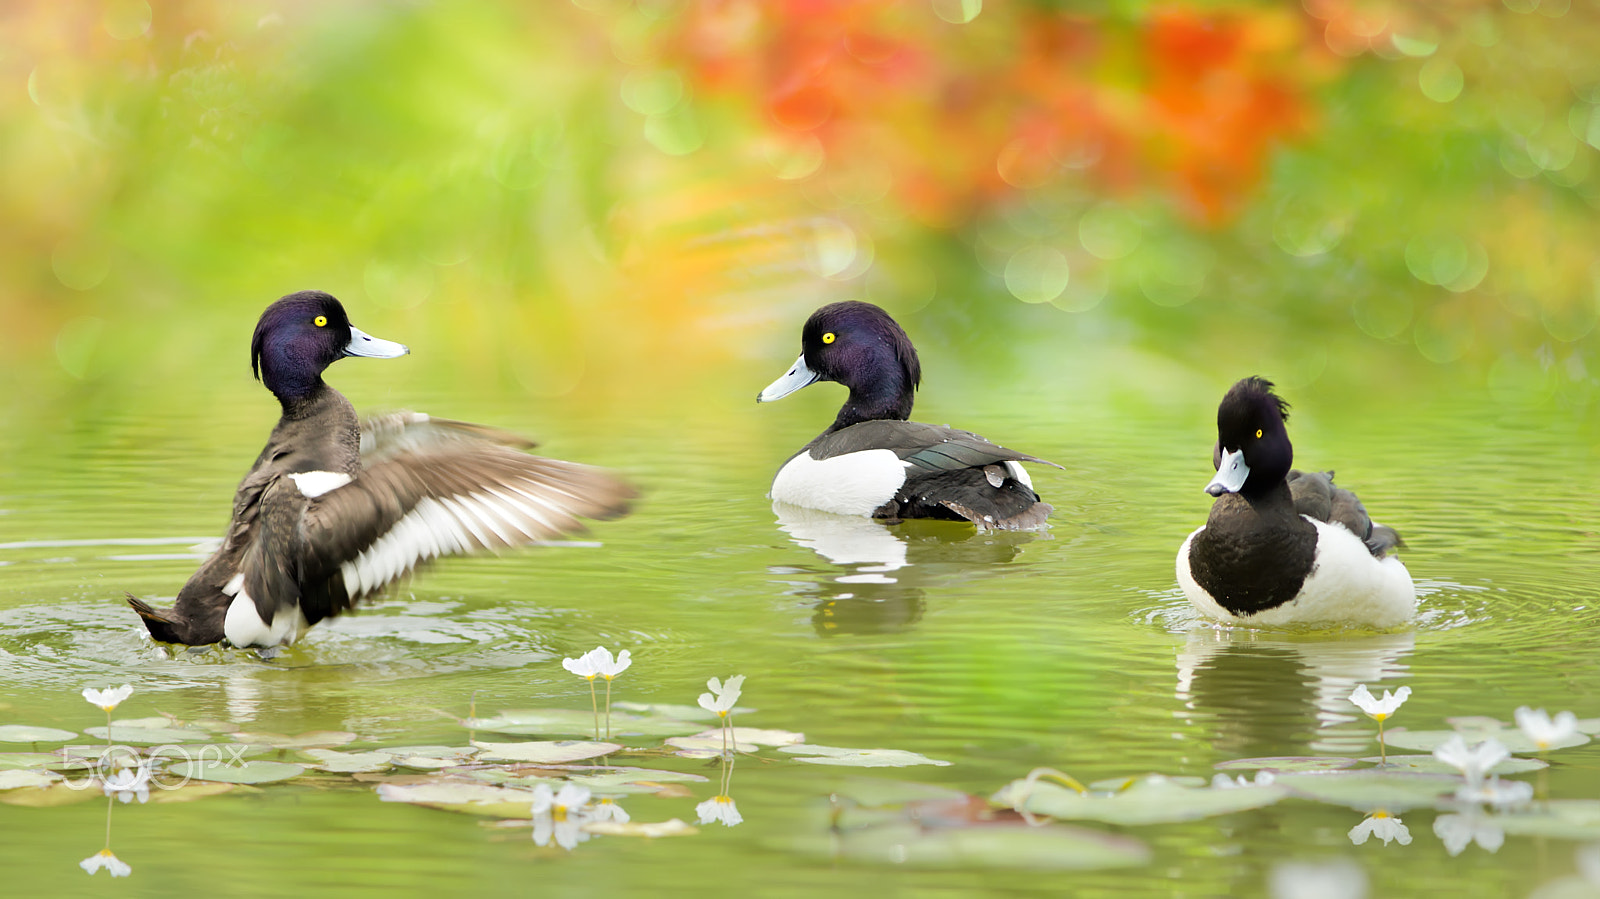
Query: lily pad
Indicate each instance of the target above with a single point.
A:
(50, 796)
(650, 829)
(461, 796)
(19, 780)
(252, 772)
(1052, 848)
(26, 733)
(1430, 765)
(446, 753)
(29, 761)
(758, 736)
(813, 754)
(1287, 763)
(1370, 790)
(582, 723)
(189, 792)
(635, 780)
(669, 710)
(337, 762)
(1473, 730)
(1152, 800)
(148, 732)
(553, 752)
(707, 747)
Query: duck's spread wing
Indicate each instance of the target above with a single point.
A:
(389, 434)
(926, 447)
(329, 550)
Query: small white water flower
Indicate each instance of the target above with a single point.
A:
(725, 695)
(129, 783)
(595, 663)
(721, 810)
(1382, 825)
(1544, 731)
(1458, 831)
(104, 859)
(108, 698)
(560, 816)
(1379, 709)
(1473, 762)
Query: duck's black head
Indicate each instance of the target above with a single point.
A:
(301, 335)
(860, 346)
(1253, 453)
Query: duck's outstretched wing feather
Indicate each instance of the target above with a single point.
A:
(457, 497)
(389, 434)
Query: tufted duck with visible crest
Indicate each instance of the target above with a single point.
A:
(334, 508)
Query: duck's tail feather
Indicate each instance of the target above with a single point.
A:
(158, 621)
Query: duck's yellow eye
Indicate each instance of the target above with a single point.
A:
(1258, 433)
(321, 321)
(828, 337)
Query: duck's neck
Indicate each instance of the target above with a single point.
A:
(299, 398)
(886, 399)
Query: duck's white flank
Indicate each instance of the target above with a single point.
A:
(852, 484)
(243, 625)
(315, 483)
(1347, 586)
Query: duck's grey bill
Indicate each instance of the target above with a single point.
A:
(364, 344)
(1231, 474)
(796, 378)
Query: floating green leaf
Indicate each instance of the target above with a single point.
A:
(757, 736)
(669, 710)
(1152, 800)
(1370, 789)
(1053, 847)
(252, 772)
(634, 780)
(1287, 763)
(1430, 765)
(25, 733)
(650, 829)
(551, 752)
(707, 747)
(192, 791)
(582, 723)
(337, 762)
(1473, 730)
(148, 732)
(813, 754)
(15, 779)
(49, 797)
(461, 796)
(35, 760)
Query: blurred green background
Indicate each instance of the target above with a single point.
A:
(572, 199)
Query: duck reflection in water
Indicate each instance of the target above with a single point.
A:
(1284, 694)
(882, 570)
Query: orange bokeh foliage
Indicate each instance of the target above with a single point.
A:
(1184, 102)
